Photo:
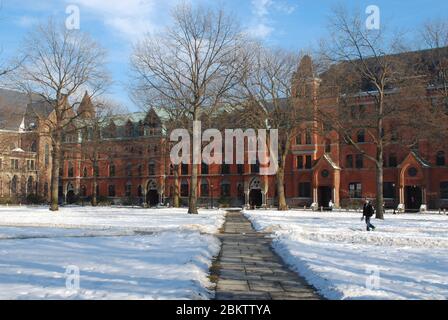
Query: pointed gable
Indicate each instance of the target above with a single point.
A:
(86, 109)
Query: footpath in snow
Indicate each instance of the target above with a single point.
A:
(405, 258)
(121, 253)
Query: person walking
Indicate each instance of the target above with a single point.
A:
(367, 213)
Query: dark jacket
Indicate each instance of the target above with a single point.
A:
(367, 210)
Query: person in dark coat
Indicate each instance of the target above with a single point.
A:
(367, 213)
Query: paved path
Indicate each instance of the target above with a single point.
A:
(247, 268)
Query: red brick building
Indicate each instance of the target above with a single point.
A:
(134, 167)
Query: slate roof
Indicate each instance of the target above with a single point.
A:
(15, 107)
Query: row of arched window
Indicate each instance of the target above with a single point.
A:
(15, 187)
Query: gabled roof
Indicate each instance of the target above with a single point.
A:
(326, 157)
(420, 160)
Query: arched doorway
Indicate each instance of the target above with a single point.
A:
(152, 195)
(413, 198)
(71, 196)
(255, 194)
(255, 198)
(14, 183)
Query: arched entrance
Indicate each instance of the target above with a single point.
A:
(152, 195)
(413, 198)
(255, 198)
(255, 194)
(71, 196)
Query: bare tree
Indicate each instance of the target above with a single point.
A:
(364, 63)
(269, 84)
(434, 36)
(191, 66)
(60, 65)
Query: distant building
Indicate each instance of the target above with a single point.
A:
(24, 147)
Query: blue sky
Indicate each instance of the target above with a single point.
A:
(117, 24)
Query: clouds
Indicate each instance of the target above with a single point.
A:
(263, 11)
(130, 18)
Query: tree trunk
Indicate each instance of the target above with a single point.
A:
(379, 193)
(55, 164)
(192, 201)
(379, 163)
(176, 202)
(282, 206)
(94, 201)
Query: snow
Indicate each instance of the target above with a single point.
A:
(335, 253)
(121, 253)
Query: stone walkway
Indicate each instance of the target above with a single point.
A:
(248, 269)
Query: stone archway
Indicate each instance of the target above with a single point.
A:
(152, 194)
(71, 195)
(255, 194)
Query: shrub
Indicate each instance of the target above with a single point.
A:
(35, 199)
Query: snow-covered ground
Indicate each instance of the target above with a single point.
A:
(121, 253)
(405, 258)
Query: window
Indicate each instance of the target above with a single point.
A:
(14, 164)
(240, 168)
(299, 162)
(112, 170)
(111, 190)
(308, 139)
(327, 145)
(129, 170)
(305, 189)
(184, 169)
(355, 190)
(128, 190)
(1, 164)
(204, 189)
(84, 172)
(358, 112)
(359, 161)
(349, 161)
(204, 168)
(361, 136)
(308, 162)
(440, 158)
(30, 165)
(393, 162)
(139, 170)
(225, 189)
(444, 190)
(225, 169)
(71, 171)
(389, 190)
(255, 168)
(30, 185)
(152, 169)
(33, 147)
(184, 192)
(14, 183)
(298, 139)
(412, 172)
